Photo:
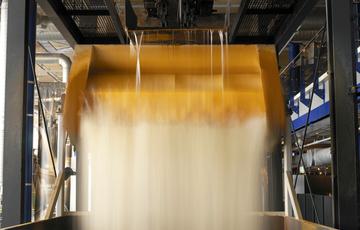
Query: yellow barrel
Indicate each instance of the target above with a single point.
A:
(171, 83)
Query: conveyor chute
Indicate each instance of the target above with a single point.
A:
(244, 78)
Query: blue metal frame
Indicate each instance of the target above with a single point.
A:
(29, 113)
(319, 92)
(316, 114)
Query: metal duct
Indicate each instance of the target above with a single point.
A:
(63, 60)
(315, 157)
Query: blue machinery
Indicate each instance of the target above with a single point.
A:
(299, 103)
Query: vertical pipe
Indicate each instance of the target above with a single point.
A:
(65, 69)
(73, 183)
(3, 39)
(60, 161)
(65, 63)
(62, 59)
(67, 183)
(61, 153)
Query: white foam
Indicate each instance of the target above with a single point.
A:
(149, 175)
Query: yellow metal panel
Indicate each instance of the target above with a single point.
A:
(178, 82)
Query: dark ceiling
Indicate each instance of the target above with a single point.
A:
(107, 21)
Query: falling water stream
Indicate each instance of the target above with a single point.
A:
(221, 37)
(211, 55)
(138, 70)
(161, 174)
(226, 54)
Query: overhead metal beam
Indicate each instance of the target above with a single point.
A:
(273, 11)
(239, 17)
(116, 21)
(130, 16)
(343, 113)
(88, 12)
(58, 15)
(101, 40)
(293, 23)
(253, 40)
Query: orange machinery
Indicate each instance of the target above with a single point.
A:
(208, 83)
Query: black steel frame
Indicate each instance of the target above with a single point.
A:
(286, 19)
(344, 113)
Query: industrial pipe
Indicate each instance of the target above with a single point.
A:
(3, 40)
(317, 142)
(63, 60)
(315, 157)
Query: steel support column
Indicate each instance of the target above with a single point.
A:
(344, 118)
(17, 172)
